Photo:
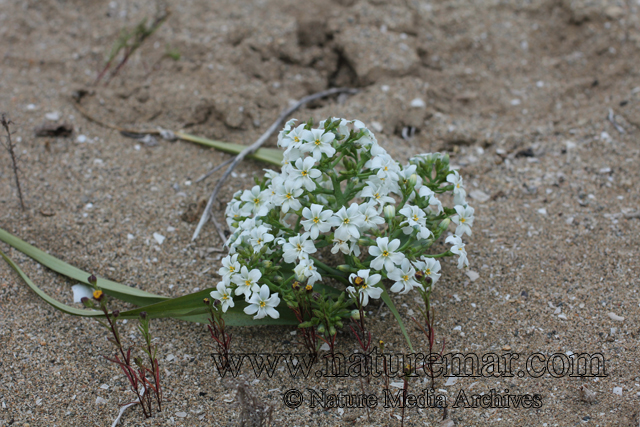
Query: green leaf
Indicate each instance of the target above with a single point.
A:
(387, 300)
(188, 307)
(268, 155)
(114, 289)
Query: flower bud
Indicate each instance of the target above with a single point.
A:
(115, 313)
(206, 301)
(389, 212)
(92, 280)
(321, 329)
(358, 281)
(381, 346)
(296, 286)
(332, 331)
(84, 300)
(309, 288)
(419, 274)
(143, 315)
(413, 180)
(267, 263)
(216, 303)
(355, 314)
(444, 224)
(98, 295)
(344, 267)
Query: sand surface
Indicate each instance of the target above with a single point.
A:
(537, 101)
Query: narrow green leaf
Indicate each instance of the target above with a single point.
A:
(114, 289)
(268, 155)
(188, 307)
(387, 300)
(60, 306)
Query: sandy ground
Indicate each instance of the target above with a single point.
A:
(523, 94)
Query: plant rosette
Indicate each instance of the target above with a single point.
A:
(340, 219)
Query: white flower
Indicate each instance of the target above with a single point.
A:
(298, 247)
(260, 236)
(348, 221)
(458, 249)
(286, 196)
(304, 174)
(366, 286)
(263, 304)
(319, 143)
(430, 267)
(464, 219)
(223, 294)
(340, 245)
(386, 166)
(247, 281)
(459, 192)
(370, 215)
(316, 220)
(404, 278)
(256, 201)
(230, 266)
(415, 217)
(385, 253)
(234, 213)
(307, 269)
(377, 193)
(293, 138)
(435, 205)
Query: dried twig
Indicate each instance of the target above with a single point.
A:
(253, 147)
(12, 153)
(211, 172)
(129, 42)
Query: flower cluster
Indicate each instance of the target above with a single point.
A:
(340, 194)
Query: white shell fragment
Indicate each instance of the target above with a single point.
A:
(615, 317)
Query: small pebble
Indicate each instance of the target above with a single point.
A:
(617, 390)
(506, 348)
(159, 238)
(53, 116)
(81, 139)
(181, 414)
(418, 103)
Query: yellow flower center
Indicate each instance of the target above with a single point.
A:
(263, 304)
(97, 294)
(462, 220)
(299, 246)
(317, 142)
(256, 200)
(458, 185)
(303, 173)
(316, 220)
(247, 283)
(308, 287)
(415, 218)
(288, 196)
(231, 269)
(296, 139)
(346, 221)
(225, 297)
(428, 271)
(385, 253)
(405, 278)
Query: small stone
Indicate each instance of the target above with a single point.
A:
(181, 414)
(159, 238)
(418, 103)
(542, 211)
(170, 357)
(81, 139)
(104, 386)
(562, 316)
(54, 116)
(480, 196)
(473, 276)
(617, 390)
(80, 291)
(506, 348)
(451, 381)
(100, 401)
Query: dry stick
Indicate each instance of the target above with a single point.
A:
(12, 153)
(611, 117)
(254, 147)
(208, 174)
